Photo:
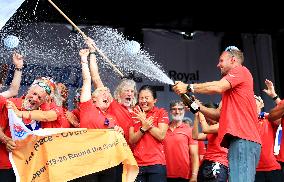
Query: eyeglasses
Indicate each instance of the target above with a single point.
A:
(230, 49)
(45, 87)
(179, 108)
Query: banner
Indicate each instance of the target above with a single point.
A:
(69, 154)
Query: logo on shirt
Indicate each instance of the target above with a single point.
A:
(231, 75)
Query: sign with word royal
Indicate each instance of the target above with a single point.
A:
(71, 154)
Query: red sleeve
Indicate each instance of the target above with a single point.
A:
(3, 121)
(163, 116)
(235, 76)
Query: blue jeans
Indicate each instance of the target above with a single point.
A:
(153, 173)
(243, 159)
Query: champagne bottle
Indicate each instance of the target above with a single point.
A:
(189, 101)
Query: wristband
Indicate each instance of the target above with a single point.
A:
(30, 115)
(142, 131)
(276, 97)
(92, 53)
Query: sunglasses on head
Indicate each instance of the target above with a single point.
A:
(230, 49)
(45, 87)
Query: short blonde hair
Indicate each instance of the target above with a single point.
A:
(98, 90)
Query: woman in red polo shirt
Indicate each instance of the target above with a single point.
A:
(146, 135)
(214, 166)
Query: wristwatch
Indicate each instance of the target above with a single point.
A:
(142, 131)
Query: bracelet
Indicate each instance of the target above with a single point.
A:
(30, 115)
(194, 174)
(92, 53)
(18, 69)
(142, 131)
(276, 97)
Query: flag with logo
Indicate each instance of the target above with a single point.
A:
(46, 154)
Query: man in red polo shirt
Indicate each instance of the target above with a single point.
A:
(238, 119)
(181, 150)
(268, 168)
(26, 108)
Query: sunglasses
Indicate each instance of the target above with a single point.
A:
(45, 87)
(231, 50)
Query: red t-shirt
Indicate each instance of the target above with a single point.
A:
(91, 117)
(267, 161)
(61, 121)
(124, 117)
(148, 150)
(201, 148)
(215, 152)
(4, 158)
(176, 145)
(280, 156)
(238, 113)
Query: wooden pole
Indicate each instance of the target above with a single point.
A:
(85, 37)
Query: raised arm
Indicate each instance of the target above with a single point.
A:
(13, 90)
(270, 91)
(96, 79)
(86, 87)
(196, 135)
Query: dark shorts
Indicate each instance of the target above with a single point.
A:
(153, 173)
(269, 176)
(210, 171)
(7, 175)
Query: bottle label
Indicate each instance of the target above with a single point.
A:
(194, 106)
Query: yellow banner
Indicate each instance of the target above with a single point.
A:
(71, 154)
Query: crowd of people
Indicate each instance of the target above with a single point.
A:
(239, 137)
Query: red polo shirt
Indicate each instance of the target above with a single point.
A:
(148, 150)
(238, 114)
(280, 156)
(92, 117)
(201, 148)
(177, 152)
(124, 118)
(215, 152)
(267, 161)
(60, 122)
(4, 159)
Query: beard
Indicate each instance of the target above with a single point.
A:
(177, 117)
